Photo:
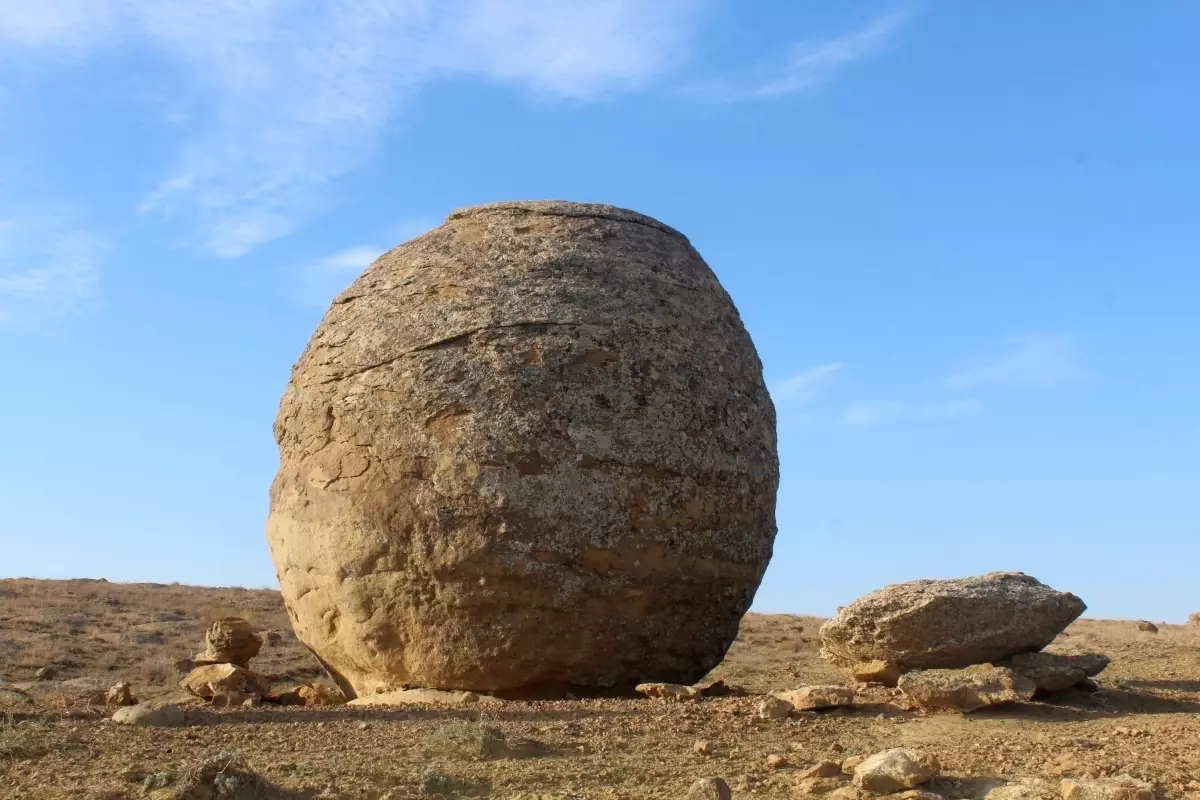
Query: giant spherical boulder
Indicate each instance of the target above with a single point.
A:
(530, 448)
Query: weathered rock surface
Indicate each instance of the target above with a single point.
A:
(1122, 787)
(895, 770)
(1055, 673)
(949, 623)
(811, 698)
(967, 689)
(227, 681)
(229, 640)
(774, 708)
(1147, 627)
(120, 694)
(709, 789)
(669, 692)
(819, 784)
(531, 446)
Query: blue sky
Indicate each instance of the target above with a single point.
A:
(965, 238)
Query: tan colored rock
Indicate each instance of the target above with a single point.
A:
(669, 692)
(318, 694)
(811, 698)
(848, 793)
(819, 784)
(851, 763)
(119, 694)
(1147, 627)
(774, 708)
(967, 689)
(162, 715)
(709, 789)
(1194, 618)
(877, 671)
(1121, 787)
(947, 624)
(1027, 789)
(895, 770)
(1055, 673)
(777, 761)
(702, 747)
(916, 794)
(229, 640)
(546, 417)
(225, 680)
(823, 769)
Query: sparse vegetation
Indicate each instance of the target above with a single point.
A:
(466, 739)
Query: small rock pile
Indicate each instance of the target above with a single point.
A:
(961, 644)
(222, 674)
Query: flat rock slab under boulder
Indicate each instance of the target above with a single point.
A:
(895, 770)
(429, 697)
(812, 698)
(877, 671)
(967, 689)
(1051, 672)
(945, 624)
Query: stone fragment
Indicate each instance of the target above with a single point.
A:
(810, 698)
(851, 763)
(702, 747)
(777, 761)
(119, 694)
(709, 789)
(1121, 787)
(823, 769)
(1147, 627)
(229, 640)
(46, 673)
(966, 689)
(437, 429)
(819, 784)
(1026, 789)
(774, 708)
(876, 671)
(895, 770)
(162, 715)
(947, 624)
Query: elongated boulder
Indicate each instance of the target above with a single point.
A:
(949, 623)
(531, 447)
(967, 689)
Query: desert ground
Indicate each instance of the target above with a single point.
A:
(1144, 721)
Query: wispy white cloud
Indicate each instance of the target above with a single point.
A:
(805, 386)
(957, 408)
(47, 266)
(863, 415)
(292, 94)
(1038, 360)
(808, 65)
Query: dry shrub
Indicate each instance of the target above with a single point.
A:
(471, 740)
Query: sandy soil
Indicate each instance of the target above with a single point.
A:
(1144, 722)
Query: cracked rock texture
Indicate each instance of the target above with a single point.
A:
(530, 449)
(949, 624)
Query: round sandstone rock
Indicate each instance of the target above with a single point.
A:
(530, 448)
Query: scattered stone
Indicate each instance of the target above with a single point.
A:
(669, 692)
(876, 671)
(895, 770)
(709, 789)
(967, 689)
(226, 680)
(810, 698)
(930, 624)
(1148, 627)
(119, 694)
(777, 761)
(162, 715)
(1121, 787)
(774, 708)
(47, 673)
(702, 747)
(1027, 789)
(1055, 673)
(818, 784)
(229, 640)
(515, 351)
(823, 769)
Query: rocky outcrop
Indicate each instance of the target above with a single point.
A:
(946, 624)
(530, 447)
(967, 689)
